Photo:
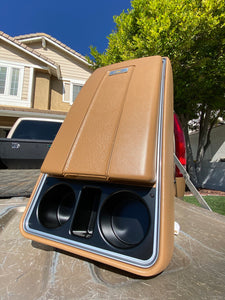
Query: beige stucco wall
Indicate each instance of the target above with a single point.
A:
(56, 96)
(48, 93)
(41, 90)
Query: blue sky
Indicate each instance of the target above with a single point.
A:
(76, 23)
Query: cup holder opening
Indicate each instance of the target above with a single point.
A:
(124, 219)
(56, 206)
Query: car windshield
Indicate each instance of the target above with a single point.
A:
(36, 130)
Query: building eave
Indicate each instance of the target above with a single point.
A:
(31, 112)
(19, 45)
(56, 43)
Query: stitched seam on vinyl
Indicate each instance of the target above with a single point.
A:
(118, 123)
(72, 149)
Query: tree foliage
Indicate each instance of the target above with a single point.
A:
(192, 34)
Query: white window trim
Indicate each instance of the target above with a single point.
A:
(72, 82)
(31, 85)
(64, 90)
(6, 96)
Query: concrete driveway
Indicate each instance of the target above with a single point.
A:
(33, 271)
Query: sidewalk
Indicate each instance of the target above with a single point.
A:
(17, 183)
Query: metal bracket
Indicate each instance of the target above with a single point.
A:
(191, 186)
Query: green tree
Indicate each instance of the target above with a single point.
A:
(192, 34)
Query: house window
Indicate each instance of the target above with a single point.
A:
(76, 90)
(71, 89)
(10, 81)
(14, 81)
(3, 71)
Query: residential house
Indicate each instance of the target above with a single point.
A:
(39, 77)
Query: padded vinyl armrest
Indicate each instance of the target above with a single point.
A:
(110, 131)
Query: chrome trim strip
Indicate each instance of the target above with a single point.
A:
(159, 159)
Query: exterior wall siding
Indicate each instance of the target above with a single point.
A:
(69, 68)
(14, 55)
(26, 79)
(56, 96)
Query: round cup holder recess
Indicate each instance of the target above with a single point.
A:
(124, 219)
(56, 206)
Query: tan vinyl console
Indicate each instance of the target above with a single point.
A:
(106, 186)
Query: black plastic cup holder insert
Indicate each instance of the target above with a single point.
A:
(124, 219)
(56, 206)
(86, 213)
